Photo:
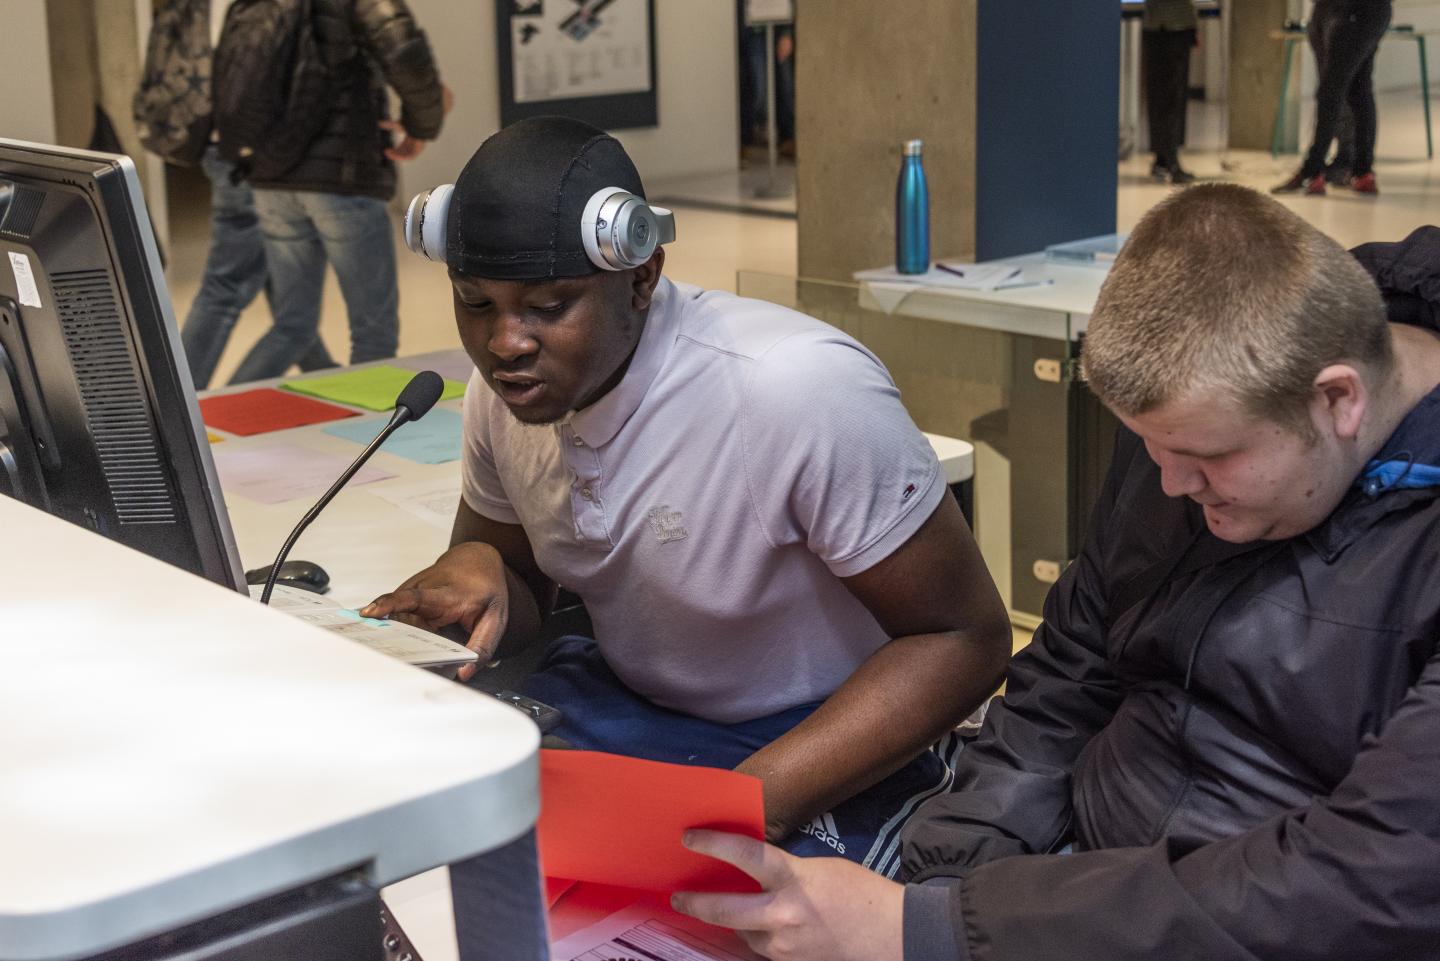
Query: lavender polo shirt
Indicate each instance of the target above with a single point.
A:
(707, 507)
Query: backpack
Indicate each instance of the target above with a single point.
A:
(273, 90)
(172, 105)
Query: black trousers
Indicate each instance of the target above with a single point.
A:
(1345, 35)
(1166, 56)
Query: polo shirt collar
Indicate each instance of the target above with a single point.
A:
(598, 424)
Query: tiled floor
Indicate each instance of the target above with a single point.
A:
(714, 244)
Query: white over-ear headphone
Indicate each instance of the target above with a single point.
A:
(618, 229)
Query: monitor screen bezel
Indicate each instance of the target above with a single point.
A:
(139, 277)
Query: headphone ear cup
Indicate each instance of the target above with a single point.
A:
(597, 227)
(636, 233)
(425, 222)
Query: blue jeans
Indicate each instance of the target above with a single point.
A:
(602, 714)
(234, 274)
(303, 230)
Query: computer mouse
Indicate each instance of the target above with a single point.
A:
(306, 575)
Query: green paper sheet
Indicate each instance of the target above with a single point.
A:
(374, 388)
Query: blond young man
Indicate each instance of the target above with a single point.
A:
(1231, 714)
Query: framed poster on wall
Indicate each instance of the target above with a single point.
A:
(593, 60)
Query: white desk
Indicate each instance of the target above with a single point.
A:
(367, 544)
(171, 750)
(1058, 310)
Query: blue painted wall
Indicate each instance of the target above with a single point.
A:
(1047, 129)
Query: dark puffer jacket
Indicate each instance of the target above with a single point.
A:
(367, 44)
(1243, 744)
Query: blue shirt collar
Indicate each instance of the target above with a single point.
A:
(1409, 458)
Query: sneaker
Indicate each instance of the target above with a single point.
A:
(1338, 176)
(1365, 184)
(1159, 173)
(1180, 177)
(1314, 186)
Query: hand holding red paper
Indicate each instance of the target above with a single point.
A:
(812, 909)
(619, 821)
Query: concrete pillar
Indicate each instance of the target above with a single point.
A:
(119, 61)
(1015, 102)
(866, 80)
(74, 68)
(1256, 59)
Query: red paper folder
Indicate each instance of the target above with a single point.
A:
(618, 820)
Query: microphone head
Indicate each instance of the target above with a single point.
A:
(421, 394)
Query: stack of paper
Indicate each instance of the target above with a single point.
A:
(998, 276)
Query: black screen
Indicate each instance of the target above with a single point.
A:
(98, 420)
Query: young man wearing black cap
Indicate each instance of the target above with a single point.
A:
(777, 578)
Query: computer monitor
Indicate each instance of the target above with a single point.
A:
(98, 419)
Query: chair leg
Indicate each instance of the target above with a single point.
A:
(1425, 95)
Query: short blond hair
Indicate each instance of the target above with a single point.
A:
(1221, 290)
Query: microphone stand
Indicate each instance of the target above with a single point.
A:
(401, 417)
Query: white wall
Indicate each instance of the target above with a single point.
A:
(695, 49)
(1397, 65)
(27, 108)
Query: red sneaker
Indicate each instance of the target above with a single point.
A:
(1365, 184)
(1314, 186)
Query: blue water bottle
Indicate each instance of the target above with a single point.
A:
(912, 214)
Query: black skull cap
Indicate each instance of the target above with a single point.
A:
(515, 213)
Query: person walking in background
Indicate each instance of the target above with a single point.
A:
(173, 116)
(331, 205)
(754, 86)
(1169, 36)
(1345, 35)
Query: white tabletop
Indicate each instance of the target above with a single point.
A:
(1059, 309)
(171, 750)
(366, 543)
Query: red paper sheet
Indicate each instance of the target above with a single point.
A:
(260, 411)
(618, 820)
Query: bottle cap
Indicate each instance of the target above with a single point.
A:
(912, 147)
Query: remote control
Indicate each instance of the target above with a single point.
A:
(545, 717)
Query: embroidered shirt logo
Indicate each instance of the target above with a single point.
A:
(667, 524)
(909, 489)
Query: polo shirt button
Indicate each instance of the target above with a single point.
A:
(587, 493)
(577, 441)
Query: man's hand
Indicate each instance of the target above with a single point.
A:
(466, 586)
(812, 909)
(408, 148)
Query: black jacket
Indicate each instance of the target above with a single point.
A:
(1247, 755)
(367, 44)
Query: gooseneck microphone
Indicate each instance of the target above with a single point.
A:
(413, 403)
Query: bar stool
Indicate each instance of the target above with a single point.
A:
(1292, 36)
(957, 460)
